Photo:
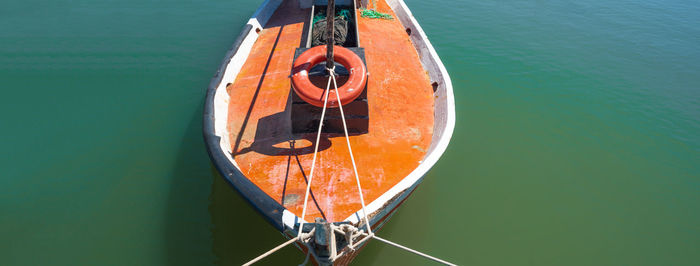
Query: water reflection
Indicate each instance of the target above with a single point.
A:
(238, 233)
(231, 233)
(185, 221)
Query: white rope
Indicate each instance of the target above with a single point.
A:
(413, 251)
(313, 162)
(271, 251)
(349, 234)
(352, 158)
(359, 187)
(308, 186)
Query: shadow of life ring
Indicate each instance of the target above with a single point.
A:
(307, 91)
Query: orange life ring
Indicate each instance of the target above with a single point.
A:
(315, 95)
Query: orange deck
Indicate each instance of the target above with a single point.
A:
(400, 108)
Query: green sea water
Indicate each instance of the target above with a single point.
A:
(577, 139)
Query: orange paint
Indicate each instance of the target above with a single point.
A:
(400, 129)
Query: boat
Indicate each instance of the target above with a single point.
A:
(328, 170)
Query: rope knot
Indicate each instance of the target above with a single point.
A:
(331, 70)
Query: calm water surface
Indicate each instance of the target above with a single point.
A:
(577, 139)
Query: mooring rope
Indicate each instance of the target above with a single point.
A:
(352, 158)
(369, 234)
(308, 186)
(413, 251)
(313, 162)
(270, 251)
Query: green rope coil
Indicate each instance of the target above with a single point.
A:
(345, 14)
(319, 16)
(370, 13)
(373, 13)
(342, 13)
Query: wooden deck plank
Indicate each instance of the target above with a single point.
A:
(400, 129)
